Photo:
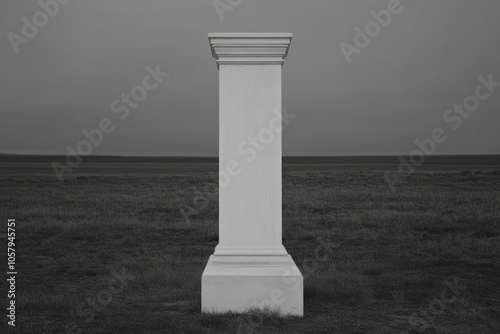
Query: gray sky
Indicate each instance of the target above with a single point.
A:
(394, 91)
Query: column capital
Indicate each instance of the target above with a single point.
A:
(249, 48)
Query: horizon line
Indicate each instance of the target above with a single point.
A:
(216, 156)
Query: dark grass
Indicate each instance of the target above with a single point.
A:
(390, 252)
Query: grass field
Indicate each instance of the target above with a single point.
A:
(423, 259)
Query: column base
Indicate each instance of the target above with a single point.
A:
(239, 283)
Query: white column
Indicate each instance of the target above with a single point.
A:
(250, 267)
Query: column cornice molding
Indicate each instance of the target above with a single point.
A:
(249, 48)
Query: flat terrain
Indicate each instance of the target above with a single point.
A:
(420, 258)
(98, 165)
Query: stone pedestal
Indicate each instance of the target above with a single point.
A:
(250, 267)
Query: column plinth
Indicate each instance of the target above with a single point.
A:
(250, 267)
